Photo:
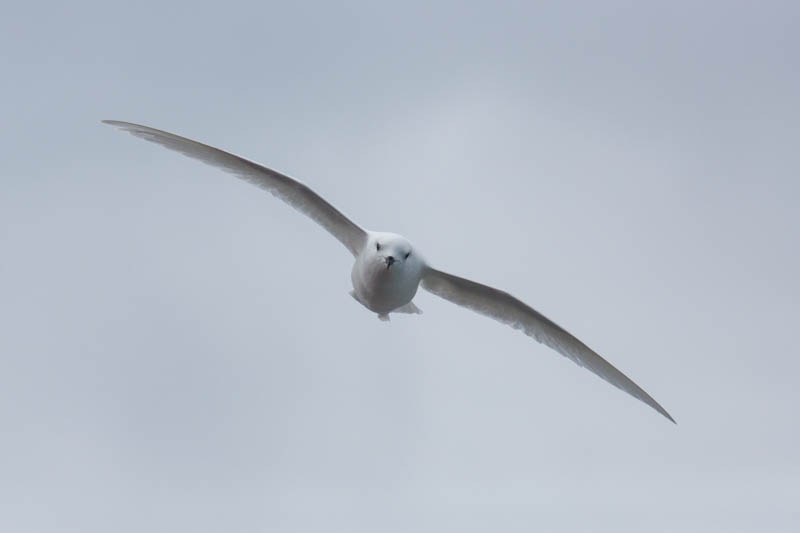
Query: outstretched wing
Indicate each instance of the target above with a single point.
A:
(287, 189)
(504, 308)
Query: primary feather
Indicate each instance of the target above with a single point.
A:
(290, 190)
(507, 309)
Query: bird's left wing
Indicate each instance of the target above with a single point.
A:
(504, 308)
(291, 191)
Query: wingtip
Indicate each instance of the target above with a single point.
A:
(657, 407)
(667, 415)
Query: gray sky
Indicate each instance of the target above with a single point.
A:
(179, 352)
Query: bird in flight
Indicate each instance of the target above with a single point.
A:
(388, 270)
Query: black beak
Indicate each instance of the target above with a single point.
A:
(389, 261)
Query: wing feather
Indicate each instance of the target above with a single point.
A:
(507, 309)
(291, 191)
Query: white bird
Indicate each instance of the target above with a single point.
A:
(388, 269)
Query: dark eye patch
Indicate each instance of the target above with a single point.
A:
(377, 245)
(409, 253)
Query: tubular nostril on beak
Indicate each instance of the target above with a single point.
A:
(390, 260)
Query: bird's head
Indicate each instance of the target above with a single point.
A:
(393, 253)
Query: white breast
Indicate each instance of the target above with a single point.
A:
(382, 289)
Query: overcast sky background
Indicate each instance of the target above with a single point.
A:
(178, 349)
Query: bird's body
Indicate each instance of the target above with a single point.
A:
(388, 270)
(386, 273)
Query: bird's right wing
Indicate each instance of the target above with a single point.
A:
(287, 189)
(504, 308)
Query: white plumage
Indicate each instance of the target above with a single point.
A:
(388, 269)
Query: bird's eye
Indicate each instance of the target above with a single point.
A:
(378, 246)
(409, 253)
